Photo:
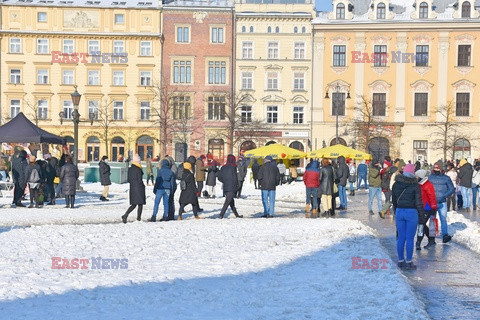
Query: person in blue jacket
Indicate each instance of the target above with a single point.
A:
(164, 185)
(362, 171)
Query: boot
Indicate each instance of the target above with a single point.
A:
(410, 266)
(474, 207)
(418, 245)
(381, 214)
(401, 264)
(72, 202)
(139, 217)
(332, 213)
(353, 192)
(307, 207)
(153, 219)
(431, 243)
(447, 238)
(124, 218)
(67, 201)
(197, 217)
(315, 213)
(237, 215)
(179, 217)
(325, 214)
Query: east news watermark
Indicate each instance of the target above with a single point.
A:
(94, 57)
(394, 57)
(97, 263)
(359, 263)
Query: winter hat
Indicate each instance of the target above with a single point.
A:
(438, 166)
(268, 159)
(187, 165)
(231, 160)
(409, 168)
(47, 156)
(462, 162)
(136, 158)
(402, 164)
(32, 159)
(421, 173)
(387, 163)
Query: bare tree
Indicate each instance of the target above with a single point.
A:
(33, 110)
(105, 121)
(130, 138)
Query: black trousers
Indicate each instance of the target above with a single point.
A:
(182, 207)
(171, 206)
(34, 196)
(426, 230)
(50, 191)
(452, 201)
(150, 177)
(229, 201)
(18, 193)
(139, 211)
(199, 187)
(239, 190)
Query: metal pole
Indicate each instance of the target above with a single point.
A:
(76, 118)
(336, 121)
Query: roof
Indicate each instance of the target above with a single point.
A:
(86, 3)
(22, 130)
(199, 3)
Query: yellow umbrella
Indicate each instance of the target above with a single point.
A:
(338, 150)
(276, 151)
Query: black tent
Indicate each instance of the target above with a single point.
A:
(22, 130)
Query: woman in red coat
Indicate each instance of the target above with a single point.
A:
(430, 207)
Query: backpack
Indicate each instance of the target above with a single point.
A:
(387, 175)
(179, 173)
(34, 176)
(183, 185)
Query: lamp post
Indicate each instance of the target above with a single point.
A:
(336, 104)
(76, 120)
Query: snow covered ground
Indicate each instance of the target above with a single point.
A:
(247, 268)
(464, 231)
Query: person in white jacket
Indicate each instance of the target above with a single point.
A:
(452, 174)
(475, 184)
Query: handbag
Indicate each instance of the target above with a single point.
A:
(56, 180)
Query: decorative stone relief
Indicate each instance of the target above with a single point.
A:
(421, 70)
(380, 70)
(344, 86)
(380, 86)
(444, 45)
(360, 46)
(421, 86)
(339, 40)
(464, 39)
(401, 46)
(379, 39)
(463, 85)
(80, 19)
(199, 16)
(464, 70)
(339, 70)
(299, 99)
(423, 39)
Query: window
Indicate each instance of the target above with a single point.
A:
(217, 35)
(466, 9)
(420, 144)
(15, 45)
(421, 56)
(145, 110)
(119, 18)
(216, 108)
(41, 17)
(380, 56)
(68, 77)
(246, 114)
(423, 11)
(247, 50)
(15, 76)
(421, 104)
(340, 13)
(14, 108)
(244, 29)
(93, 108)
(251, 28)
(272, 81)
(67, 109)
(339, 56)
(338, 103)
(295, 29)
(93, 47)
(118, 47)
(42, 109)
(304, 30)
(464, 52)
(277, 29)
(145, 48)
(273, 50)
(183, 34)
(181, 107)
(269, 29)
(42, 76)
(68, 46)
(381, 11)
(299, 50)
(298, 115)
(145, 78)
(298, 81)
(93, 77)
(379, 104)
(42, 46)
(463, 105)
(118, 78)
(118, 110)
(272, 114)
(182, 71)
(217, 72)
(247, 80)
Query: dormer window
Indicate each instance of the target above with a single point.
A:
(340, 11)
(466, 8)
(381, 11)
(423, 11)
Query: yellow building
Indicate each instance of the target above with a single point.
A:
(427, 66)
(273, 69)
(110, 50)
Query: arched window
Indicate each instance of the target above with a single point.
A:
(295, 29)
(145, 147)
(340, 11)
(466, 9)
(340, 141)
(269, 143)
(423, 11)
(269, 29)
(247, 145)
(244, 29)
(93, 149)
(381, 11)
(461, 149)
(251, 28)
(379, 147)
(304, 30)
(216, 148)
(118, 149)
(297, 145)
(277, 29)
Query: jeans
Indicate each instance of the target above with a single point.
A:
(342, 194)
(360, 178)
(58, 190)
(3, 175)
(474, 196)
(372, 193)
(406, 220)
(268, 200)
(442, 212)
(312, 193)
(351, 186)
(386, 205)
(165, 195)
(466, 192)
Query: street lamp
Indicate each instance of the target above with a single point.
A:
(76, 120)
(336, 104)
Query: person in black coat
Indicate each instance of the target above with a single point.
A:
(189, 191)
(327, 180)
(228, 176)
(34, 180)
(137, 189)
(68, 177)
(269, 178)
(342, 175)
(255, 169)
(211, 178)
(104, 172)
(19, 166)
(50, 177)
(242, 173)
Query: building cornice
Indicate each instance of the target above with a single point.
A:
(89, 34)
(397, 26)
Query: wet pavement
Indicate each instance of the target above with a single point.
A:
(447, 277)
(473, 215)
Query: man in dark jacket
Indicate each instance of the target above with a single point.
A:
(171, 198)
(50, 177)
(342, 175)
(19, 167)
(465, 174)
(104, 172)
(242, 167)
(269, 178)
(362, 171)
(33, 175)
(386, 175)
(229, 177)
(188, 194)
(374, 186)
(312, 182)
(255, 169)
(327, 180)
(164, 185)
(443, 189)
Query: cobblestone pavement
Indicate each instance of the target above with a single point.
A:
(448, 276)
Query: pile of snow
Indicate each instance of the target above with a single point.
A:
(464, 231)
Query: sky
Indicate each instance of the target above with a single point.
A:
(323, 5)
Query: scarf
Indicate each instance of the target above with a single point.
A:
(138, 164)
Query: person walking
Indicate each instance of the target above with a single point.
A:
(269, 179)
(255, 170)
(137, 188)
(374, 187)
(326, 186)
(475, 184)
(171, 198)
(352, 178)
(164, 185)
(342, 175)
(211, 178)
(19, 167)
(465, 174)
(68, 177)
(200, 170)
(283, 170)
(242, 167)
(430, 207)
(33, 175)
(149, 170)
(311, 179)
(452, 174)
(104, 171)
(293, 172)
(188, 193)
(443, 187)
(407, 201)
(228, 176)
(386, 177)
(49, 179)
(362, 172)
